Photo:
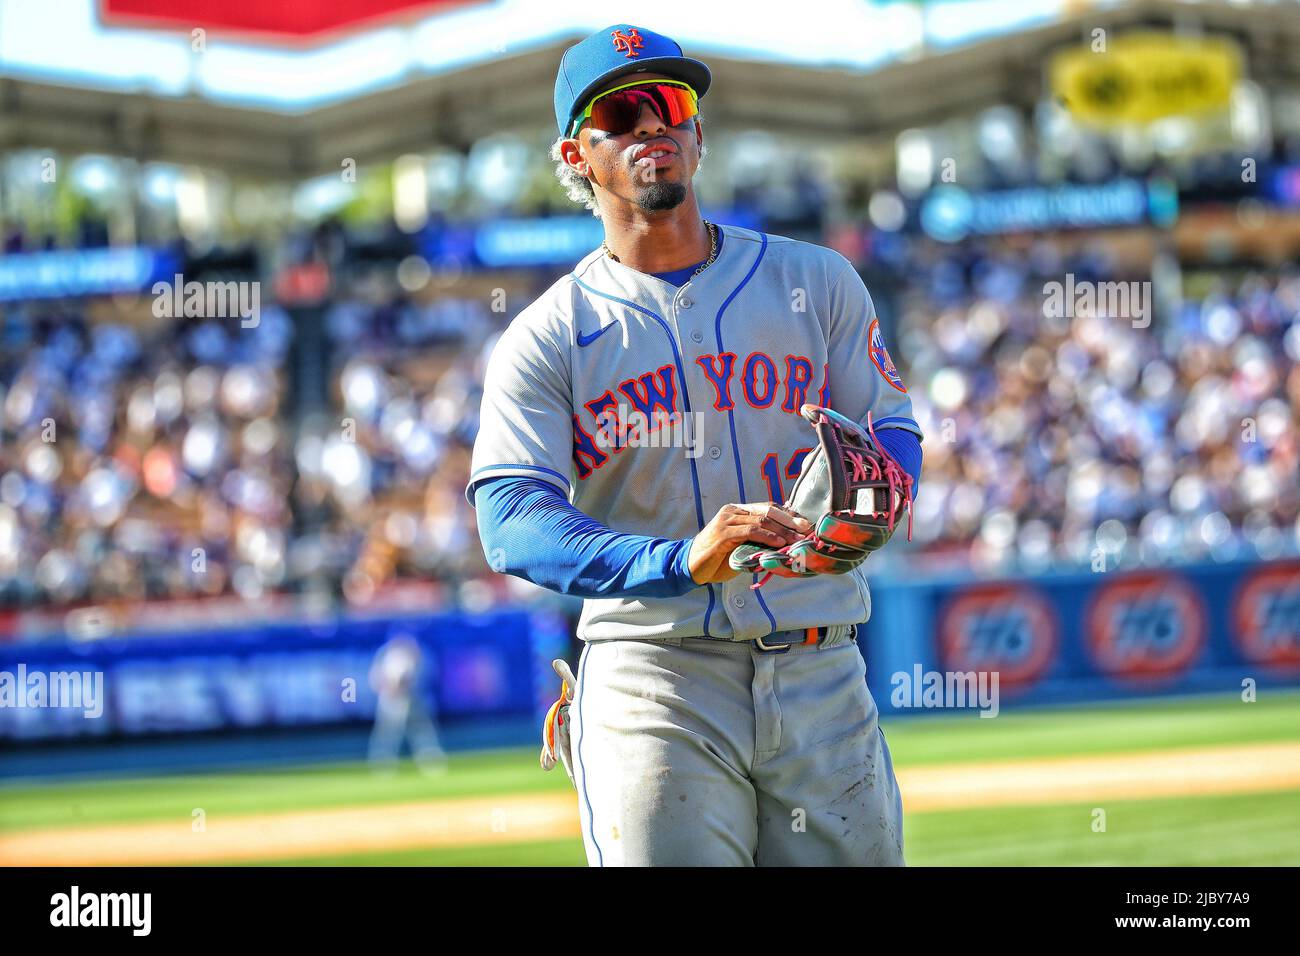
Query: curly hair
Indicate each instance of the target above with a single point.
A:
(577, 186)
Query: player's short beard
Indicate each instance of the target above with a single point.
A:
(659, 195)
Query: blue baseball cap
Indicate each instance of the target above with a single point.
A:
(617, 51)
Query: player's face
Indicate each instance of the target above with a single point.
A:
(650, 166)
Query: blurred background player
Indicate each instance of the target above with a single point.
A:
(401, 714)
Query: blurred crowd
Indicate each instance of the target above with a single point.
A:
(141, 462)
(146, 459)
(1082, 437)
(380, 479)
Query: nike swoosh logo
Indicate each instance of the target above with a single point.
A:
(585, 340)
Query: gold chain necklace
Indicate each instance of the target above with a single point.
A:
(713, 249)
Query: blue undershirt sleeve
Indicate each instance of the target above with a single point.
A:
(529, 529)
(905, 448)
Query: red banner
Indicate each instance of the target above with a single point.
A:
(288, 20)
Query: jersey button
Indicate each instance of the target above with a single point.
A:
(686, 302)
(738, 601)
(697, 336)
(715, 452)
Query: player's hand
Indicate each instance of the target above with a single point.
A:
(767, 524)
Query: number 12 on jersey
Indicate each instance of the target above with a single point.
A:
(771, 472)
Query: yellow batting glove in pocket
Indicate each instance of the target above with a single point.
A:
(556, 745)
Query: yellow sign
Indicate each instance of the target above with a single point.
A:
(1140, 77)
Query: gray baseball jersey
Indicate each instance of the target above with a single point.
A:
(652, 406)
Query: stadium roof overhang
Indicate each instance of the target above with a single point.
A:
(458, 107)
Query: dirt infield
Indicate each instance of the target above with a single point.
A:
(432, 823)
(1204, 771)
(518, 819)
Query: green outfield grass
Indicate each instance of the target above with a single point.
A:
(268, 791)
(1259, 829)
(1099, 728)
(1239, 829)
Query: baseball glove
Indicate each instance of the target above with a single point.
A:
(853, 493)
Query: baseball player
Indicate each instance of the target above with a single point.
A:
(641, 423)
(400, 710)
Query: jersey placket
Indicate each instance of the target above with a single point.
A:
(691, 320)
(694, 321)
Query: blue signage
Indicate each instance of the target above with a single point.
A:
(535, 242)
(46, 275)
(529, 243)
(951, 213)
(1286, 185)
(1083, 636)
(488, 668)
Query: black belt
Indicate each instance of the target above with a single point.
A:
(782, 641)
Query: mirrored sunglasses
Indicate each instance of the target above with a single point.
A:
(617, 111)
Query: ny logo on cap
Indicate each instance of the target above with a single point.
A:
(628, 43)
